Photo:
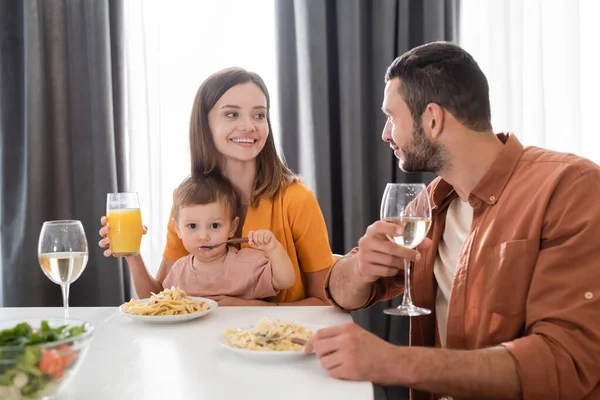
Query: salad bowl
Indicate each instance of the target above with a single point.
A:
(38, 357)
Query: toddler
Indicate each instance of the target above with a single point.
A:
(207, 213)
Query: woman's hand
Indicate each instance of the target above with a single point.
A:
(105, 241)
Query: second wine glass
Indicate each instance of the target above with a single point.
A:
(63, 254)
(407, 205)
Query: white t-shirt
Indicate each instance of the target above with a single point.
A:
(456, 231)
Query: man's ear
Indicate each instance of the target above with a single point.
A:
(234, 226)
(433, 120)
(176, 225)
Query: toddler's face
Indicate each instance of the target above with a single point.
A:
(204, 225)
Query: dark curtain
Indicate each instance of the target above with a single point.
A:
(332, 57)
(61, 141)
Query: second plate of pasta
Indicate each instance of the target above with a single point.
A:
(168, 307)
(248, 342)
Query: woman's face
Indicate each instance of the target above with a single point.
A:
(238, 122)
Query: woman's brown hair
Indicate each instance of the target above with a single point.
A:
(271, 172)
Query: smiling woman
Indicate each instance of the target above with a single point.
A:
(230, 137)
(230, 134)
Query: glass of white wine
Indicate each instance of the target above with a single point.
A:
(407, 205)
(63, 254)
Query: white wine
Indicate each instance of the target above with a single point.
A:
(415, 230)
(63, 268)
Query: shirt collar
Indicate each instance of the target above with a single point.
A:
(492, 184)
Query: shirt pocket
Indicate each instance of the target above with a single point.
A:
(508, 271)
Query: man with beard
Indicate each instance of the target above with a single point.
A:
(511, 265)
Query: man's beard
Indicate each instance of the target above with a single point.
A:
(421, 155)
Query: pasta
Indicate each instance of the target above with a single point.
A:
(172, 301)
(253, 339)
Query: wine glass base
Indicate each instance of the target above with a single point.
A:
(407, 311)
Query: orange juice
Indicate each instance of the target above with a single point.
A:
(125, 231)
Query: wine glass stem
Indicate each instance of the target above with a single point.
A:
(65, 295)
(406, 298)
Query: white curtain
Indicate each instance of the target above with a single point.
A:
(171, 47)
(541, 60)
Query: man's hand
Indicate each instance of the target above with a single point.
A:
(351, 279)
(379, 257)
(349, 352)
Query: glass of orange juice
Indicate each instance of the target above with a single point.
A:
(125, 224)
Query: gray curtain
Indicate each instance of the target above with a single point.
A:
(332, 57)
(61, 141)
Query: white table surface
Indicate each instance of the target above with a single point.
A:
(133, 360)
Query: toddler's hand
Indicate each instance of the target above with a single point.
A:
(262, 240)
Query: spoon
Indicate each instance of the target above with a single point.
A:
(271, 339)
(299, 341)
(230, 241)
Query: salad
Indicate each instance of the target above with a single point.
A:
(31, 363)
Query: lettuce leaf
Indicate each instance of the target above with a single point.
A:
(23, 334)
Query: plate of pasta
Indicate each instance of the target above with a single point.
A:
(167, 307)
(268, 339)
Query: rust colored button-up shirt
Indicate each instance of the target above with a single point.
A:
(528, 275)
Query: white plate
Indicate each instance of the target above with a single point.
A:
(171, 319)
(267, 355)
